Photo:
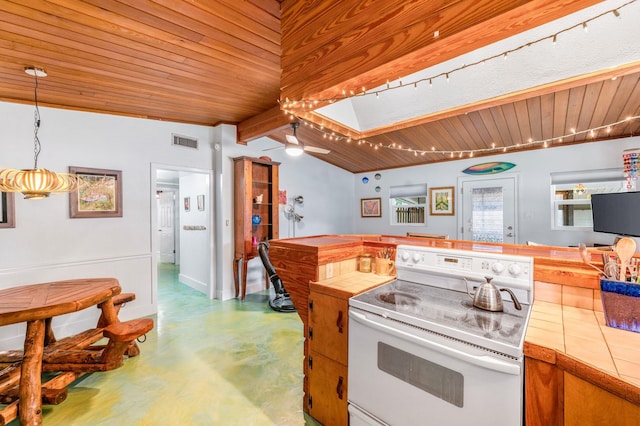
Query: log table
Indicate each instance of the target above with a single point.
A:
(36, 304)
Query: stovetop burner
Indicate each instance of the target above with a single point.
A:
(399, 299)
(448, 312)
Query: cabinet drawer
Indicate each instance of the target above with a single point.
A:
(328, 325)
(327, 396)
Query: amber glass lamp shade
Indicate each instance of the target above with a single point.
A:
(36, 183)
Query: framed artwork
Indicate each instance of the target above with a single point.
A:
(282, 196)
(7, 210)
(370, 207)
(187, 204)
(201, 202)
(99, 193)
(441, 201)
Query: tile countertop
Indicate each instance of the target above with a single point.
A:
(578, 341)
(350, 283)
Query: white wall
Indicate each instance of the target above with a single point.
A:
(534, 199)
(327, 191)
(47, 245)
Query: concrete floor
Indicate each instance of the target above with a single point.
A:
(206, 362)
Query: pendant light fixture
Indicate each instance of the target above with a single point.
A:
(36, 183)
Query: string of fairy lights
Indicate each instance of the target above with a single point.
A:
(545, 143)
(292, 106)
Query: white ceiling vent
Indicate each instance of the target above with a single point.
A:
(185, 141)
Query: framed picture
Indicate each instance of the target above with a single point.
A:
(441, 201)
(7, 210)
(187, 204)
(370, 207)
(201, 202)
(282, 196)
(99, 193)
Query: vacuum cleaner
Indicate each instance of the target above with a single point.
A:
(281, 302)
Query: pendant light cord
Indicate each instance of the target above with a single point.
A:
(36, 117)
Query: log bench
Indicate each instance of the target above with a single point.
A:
(9, 378)
(53, 391)
(118, 302)
(50, 396)
(78, 353)
(102, 357)
(72, 357)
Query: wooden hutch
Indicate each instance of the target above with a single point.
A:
(255, 212)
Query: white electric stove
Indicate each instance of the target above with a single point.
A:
(421, 353)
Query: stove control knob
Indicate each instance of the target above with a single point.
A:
(416, 257)
(404, 256)
(497, 267)
(515, 269)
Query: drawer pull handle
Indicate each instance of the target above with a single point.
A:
(339, 387)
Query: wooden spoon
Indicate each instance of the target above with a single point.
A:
(625, 248)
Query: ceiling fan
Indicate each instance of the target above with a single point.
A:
(295, 147)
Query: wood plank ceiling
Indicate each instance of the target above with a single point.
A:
(204, 62)
(538, 118)
(223, 61)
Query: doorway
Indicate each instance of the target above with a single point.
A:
(181, 236)
(489, 210)
(166, 200)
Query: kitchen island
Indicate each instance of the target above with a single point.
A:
(561, 278)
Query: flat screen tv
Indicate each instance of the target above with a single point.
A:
(616, 213)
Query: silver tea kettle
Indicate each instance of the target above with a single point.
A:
(488, 297)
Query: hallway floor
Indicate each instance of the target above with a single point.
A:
(206, 362)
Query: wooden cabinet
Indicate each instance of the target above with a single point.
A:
(555, 397)
(255, 212)
(543, 393)
(587, 404)
(327, 361)
(328, 342)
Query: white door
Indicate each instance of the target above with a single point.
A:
(166, 226)
(489, 210)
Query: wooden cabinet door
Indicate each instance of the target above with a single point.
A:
(328, 324)
(327, 396)
(542, 396)
(586, 404)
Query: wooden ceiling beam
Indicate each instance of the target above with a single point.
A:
(270, 121)
(345, 54)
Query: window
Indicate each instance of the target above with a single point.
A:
(487, 214)
(571, 195)
(408, 204)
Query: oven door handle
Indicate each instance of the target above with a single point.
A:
(488, 362)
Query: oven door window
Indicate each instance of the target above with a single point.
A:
(439, 381)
